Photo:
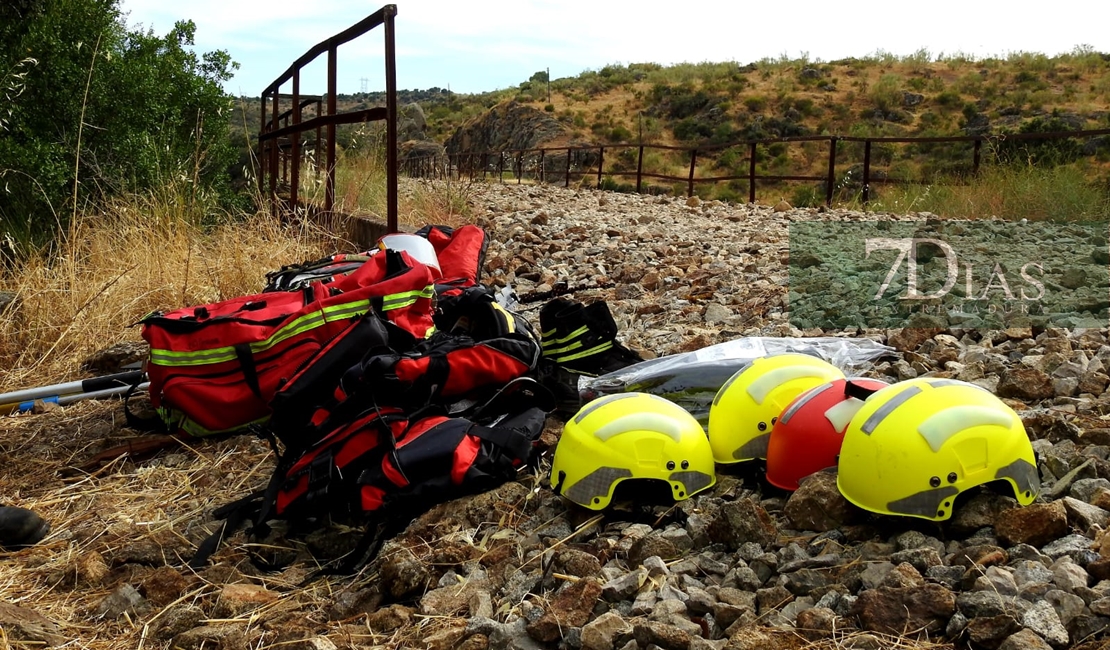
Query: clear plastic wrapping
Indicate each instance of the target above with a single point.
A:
(692, 379)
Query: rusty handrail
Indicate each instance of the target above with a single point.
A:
(464, 161)
(274, 129)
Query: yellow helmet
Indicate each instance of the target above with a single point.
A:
(630, 436)
(748, 404)
(913, 446)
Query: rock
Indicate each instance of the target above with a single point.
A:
(1042, 619)
(980, 512)
(387, 619)
(212, 637)
(238, 599)
(163, 586)
(1024, 640)
(20, 624)
(743, 521)
(402, 575)
(177, 619)
(600, 633)
(578, 563)
(124, 600)
(816, 623)
(1067, 606)
(1084, 515)
(667, 637)
(1025, 383)
(910, 338)
(990, 631)
(1085, 489)
(783, 206)
(1036, 524)
(819, 506)
(899, 610)
(651, 546)
(571, 607)
(623, 587)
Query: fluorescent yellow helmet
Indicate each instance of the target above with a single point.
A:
(748, 404)
(630, 436)
(913, 446)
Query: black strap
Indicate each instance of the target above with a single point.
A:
(852, 389)
(234, 515)
(516, 443)
(152, 424)
(250, 371)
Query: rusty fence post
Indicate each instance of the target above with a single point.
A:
(543, 175)
(390, 119)
(501, 167)
(693, 164)
(975, 160)
(519, 166)
(566, 176)
(639, 169)
(274, 153)
(866, 171)
(600, 164)
(295, 143)
(751, 174)
(830, 181)
(329, 187)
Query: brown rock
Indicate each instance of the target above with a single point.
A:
(600, 633)
(1036, 525)
(578, 563)
(92, 569)
(177, 619)
(1100, 569)
(819, 506)
(212, 637)
(742, 521)
(1024, 640)
(783, 206)
(447, 639)
(389, 618)
(665, 636)
(403, 575)
(570, 608)
(1094, 383)
(163, 586)
(475, 642)
(991, 631)
(983, 555)
(816, 623)
(27, 625)
(902, 610)
(1025, 383)
(240, 598)
(909, 339)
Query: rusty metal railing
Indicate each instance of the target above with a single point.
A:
(280, 138)
(561, 164)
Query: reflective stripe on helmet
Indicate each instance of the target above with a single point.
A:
(939, 427)
(595, 485)
(1023, 474)
(656, 422)
(925, 503)
(801, 401)
(754, 448)
(880, 414)
(772, 379)
(693, 481)
(598, 403)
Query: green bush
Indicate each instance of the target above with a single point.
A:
(103, 111)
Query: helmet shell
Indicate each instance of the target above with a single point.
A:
(915, 445)
(419, 248)
(807, 436)
(630, 436)
(748, 404)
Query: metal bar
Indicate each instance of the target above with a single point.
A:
(975, 161)
(640, 169)
(693, 164)
(751, 174)
(519, 166)
(501, 168)
(316, 151)
(329, 183)
(830, 181)
(262, 148)
(295, 149)
(866, 171)
(390, 11)
(274, 160)
(542, 179)
(600, 164)
(566, 176)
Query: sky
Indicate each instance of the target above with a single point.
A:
(474, 47)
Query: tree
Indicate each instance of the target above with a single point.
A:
(92, 109)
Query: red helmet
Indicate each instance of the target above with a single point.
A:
(806, 438)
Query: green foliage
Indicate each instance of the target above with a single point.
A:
(1049, 152)
(105, 110)
(886, 93)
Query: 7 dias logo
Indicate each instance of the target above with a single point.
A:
(997, 282)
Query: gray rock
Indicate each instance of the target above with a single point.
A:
(998, 580)
(1042, 619)
(1083, 515)
(1085, 489)
(1066, 545)
(874, 574)
(1024, 640)
(1067, 606)
(124, 600)
(623, 587)
(600, 633)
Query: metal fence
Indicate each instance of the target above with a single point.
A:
(562, 164)
(281, 140)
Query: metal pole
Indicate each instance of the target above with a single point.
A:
(751, 174)
(295, 148)
(543, 180)
(262, 151)
(274, 153)
(830, 181)
(975, 163)
(866, 171)
(693, 162)
(639, 169)
(600, 164)
(391, 119)
(566, 177)
(329, 186)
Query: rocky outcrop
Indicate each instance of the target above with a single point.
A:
(507, 127)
